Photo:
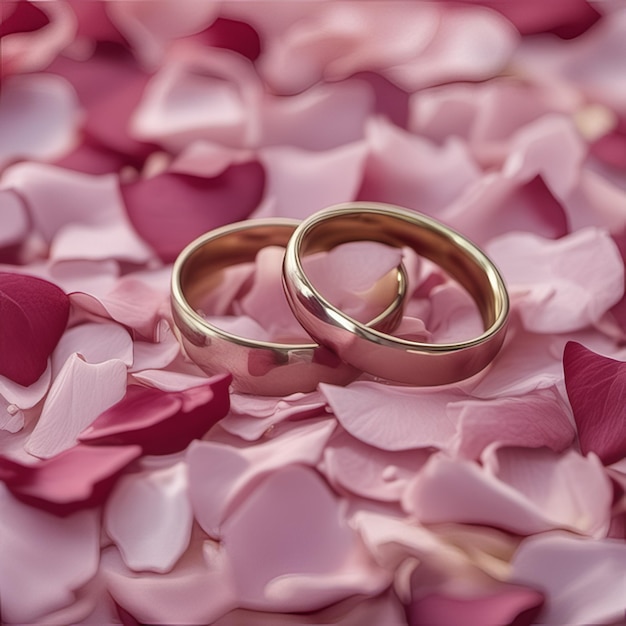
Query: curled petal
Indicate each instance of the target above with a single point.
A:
(596, 387)
(34, 314)
(78, 478)
(161, 422)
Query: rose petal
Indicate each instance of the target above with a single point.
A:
(170, 210)
(414, 417)
(80, 392)
(367, 471)
(304, 555)
(522, 490)
(14, 219)
(215, 494)
(596, 387)
(538, 418)
(41, 551)
(78, 478)
(34, 314)
(149, 517)
(161, 422)
(563, 285)
(583, 580)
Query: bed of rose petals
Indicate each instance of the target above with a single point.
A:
(135, 489)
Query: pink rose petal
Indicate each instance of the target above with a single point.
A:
(198, 590)
(367, 471)
(214, 494)
(413, 417)
(34, 314)
(78, 478)
(507, 604)
(14, 219)
(305, 556)
(563, 285)
(173, 380)
(170, 210)
(521, 490)
(39, 118)
(538, 418)
(149, 517)
(158, 421)
(80, 392)
(583, 580)
(596, 387)
(158, 354)
(56, 556)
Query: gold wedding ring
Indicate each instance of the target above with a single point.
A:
(374, 351)
(260, 367)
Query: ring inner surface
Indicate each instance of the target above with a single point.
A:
(453, 253)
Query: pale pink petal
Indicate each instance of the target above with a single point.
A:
(305, 556)
(41, 551)
(215, 494)
(469, 44)
(149, 517)
(252, 417)
(207, 158)
(506, 604)
(413, 417)
(520, 490)
(11, 417)
(14, 219)
(322, 118)
(245, 326)
(413, 172)
(95, 343)
(453, 315)
(171, 380)
(58, 198)
(34, 314)
(538, 418)
(367, 471)
(158, 354)
(80, 477)
(149, 27)
(161, 422)
(25, 397)
(560, 286)
(79, 393)
(211, 96)
(30, 50)
(198, 590)
(596, 387)
(583, 580)
(550, 147)
(300, 182)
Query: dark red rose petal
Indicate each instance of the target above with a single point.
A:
(161, 422)
(518, 606)
(25, 18)
(596, 387)
(33, 316)
(170, 210)
(233, 35)
(78, 478)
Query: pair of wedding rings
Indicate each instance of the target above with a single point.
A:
(341, 347)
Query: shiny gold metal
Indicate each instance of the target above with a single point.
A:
(374, 351)
(261, 367)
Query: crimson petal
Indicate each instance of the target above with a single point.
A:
(33, 314)
(596, 387)
(161, 422)
(75, 479)
(170, 210)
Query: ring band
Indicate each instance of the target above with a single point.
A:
(260, 367)
(376, 352)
